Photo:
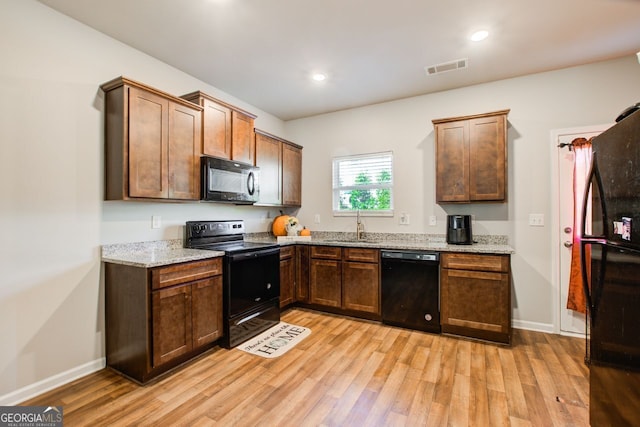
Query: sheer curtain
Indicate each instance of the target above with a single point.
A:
(582, 162)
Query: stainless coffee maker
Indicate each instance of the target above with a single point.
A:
(459, 230)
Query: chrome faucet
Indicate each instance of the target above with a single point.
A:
(359, 226)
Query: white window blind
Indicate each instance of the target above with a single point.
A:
(363, 182)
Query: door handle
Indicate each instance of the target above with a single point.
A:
(568, 244)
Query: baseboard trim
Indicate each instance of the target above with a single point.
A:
(35, 389)
(533, 326)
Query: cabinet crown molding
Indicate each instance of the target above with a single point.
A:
(473, 116)
(122, 81)
(267, 134)
(194, 96)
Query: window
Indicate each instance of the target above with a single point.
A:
(363, 182)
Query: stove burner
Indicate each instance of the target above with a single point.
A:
(225, 236)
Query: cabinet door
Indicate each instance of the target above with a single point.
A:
(184, 152)
(206, 307)
(361, 287)
(269, 160)
(303, 261)
(242, 138)
(216, 138)
(487, 154)
(291, 175)
(148, 144)
(171, 323)
(476, 304)
(325, 284)
(452, 161)
(287, 281)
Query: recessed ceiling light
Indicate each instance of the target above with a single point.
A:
(319, 77)
(479, 35)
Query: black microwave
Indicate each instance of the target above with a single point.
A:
(229, 181)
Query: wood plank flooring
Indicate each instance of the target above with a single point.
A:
(350, 372)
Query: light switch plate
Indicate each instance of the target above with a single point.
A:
(433, 220)
(405, 219)
(156, 221)
(536, 220)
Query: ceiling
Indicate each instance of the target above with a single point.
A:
(264, 51)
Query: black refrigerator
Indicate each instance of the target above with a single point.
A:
(610, 256)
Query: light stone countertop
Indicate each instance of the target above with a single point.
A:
(486, 244)
(166, 252)
(154, 254)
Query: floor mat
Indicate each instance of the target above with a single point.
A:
(276, 341)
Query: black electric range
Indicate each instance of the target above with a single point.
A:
(251, 277)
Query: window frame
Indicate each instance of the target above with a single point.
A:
(336, 189)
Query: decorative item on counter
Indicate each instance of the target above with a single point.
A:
(279, 227)
(293, 226)
(305, 232)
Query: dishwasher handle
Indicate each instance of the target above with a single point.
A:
(411, 255)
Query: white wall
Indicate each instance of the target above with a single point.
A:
(580, 96)
(52, 217)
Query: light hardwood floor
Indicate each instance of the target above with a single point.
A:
(350, 372)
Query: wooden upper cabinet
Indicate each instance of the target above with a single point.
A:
(452, 162)
(216, 125)
(227, 131)
(184, 152)
(242, 142)
(216, 129)
(152, 143)
(471, 158)
(291, 175)
(269, 159)
(148, 167)
(280, 163)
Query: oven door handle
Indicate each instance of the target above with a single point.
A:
(246, 319)
(254, 254)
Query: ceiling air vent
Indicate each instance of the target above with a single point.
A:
(446, 66)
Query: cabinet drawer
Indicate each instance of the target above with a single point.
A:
(326, 252)
(475, 262)
(181, 273)
(287, 252)
(361, 254)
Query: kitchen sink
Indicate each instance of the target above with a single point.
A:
(352, 241)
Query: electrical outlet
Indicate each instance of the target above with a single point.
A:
(404, 218)
(433, 220)
(316, 219)
(536, 220)
(156, 221)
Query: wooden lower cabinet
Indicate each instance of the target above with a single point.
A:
(345, 278)
(475, 296)
(171, 317)
(287, 275)
(361, 286)
(157, 318)
(303, 266)
(325, 285)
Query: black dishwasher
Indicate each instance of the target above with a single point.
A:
(411, 290)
